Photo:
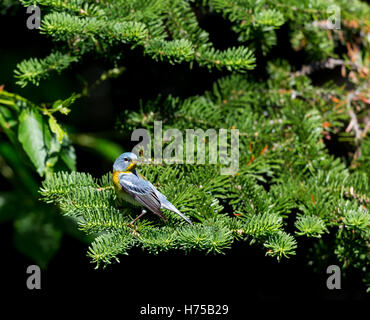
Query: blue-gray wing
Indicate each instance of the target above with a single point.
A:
(142, 191)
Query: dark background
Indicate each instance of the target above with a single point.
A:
(239, 277)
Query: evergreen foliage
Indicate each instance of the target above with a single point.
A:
(288, 185)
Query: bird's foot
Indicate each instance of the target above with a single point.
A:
(133, 228)
(143, 212)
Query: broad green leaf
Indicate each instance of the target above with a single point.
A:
(41, 146)
(31, 134)
(53, 146)
(55, 128)
(67, 154)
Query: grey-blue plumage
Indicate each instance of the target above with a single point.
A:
(131, 187)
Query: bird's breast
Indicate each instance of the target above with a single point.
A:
(122, 195)
(115, 179)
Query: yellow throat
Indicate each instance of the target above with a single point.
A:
(116, 174)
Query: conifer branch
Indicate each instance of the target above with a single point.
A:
(287, 173)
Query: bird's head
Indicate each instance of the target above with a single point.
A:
(125, 162)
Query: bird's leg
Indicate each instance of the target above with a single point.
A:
(143, 212)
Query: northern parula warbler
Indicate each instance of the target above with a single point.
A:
(132, 187)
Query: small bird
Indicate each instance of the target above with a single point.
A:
(132, 187)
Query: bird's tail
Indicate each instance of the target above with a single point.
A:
(169, 206)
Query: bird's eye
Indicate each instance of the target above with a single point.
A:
(125, 159)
